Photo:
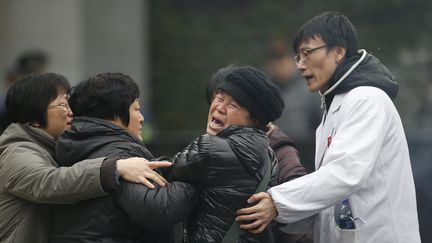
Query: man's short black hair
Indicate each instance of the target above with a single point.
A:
(335, 29)
(28, 98)
(105, 96)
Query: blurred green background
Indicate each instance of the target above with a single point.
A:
(192, 39)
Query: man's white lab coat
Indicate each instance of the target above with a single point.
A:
(361, 155)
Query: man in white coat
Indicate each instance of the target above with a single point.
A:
(363, 187)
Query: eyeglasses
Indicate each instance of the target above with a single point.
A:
(65, 106)
(305, 54)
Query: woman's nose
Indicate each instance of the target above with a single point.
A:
(221, 108)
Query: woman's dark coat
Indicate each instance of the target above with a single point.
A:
(133, 213)
(228, 168)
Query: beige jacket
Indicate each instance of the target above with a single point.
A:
(30, 180)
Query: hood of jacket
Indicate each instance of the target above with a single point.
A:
(370, 72)
(91, 137)
(17, 132)
(250, 146)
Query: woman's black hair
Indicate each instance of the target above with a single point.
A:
(28, 98)
(105, 96)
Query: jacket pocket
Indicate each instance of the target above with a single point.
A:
(342, 235)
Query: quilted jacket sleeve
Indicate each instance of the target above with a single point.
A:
(192, 164)
(159, 208)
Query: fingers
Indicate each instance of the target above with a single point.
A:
(159, 164)
(258, 222)
(257, 226)
(243, 212)
(139, 170)
(270, 127)
(145, 182)
(158, 179)
(137, 178)
(259, 215)
(149, 174)
(257, 197)
(258, 230)
(247, 216)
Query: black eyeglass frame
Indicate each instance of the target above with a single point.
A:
(305, 54)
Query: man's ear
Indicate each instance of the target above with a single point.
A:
(340, 54)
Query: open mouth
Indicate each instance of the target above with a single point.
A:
(308, 77)
(216, 123)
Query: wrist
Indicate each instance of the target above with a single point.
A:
(120, 168)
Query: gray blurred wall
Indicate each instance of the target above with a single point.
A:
(82, 38)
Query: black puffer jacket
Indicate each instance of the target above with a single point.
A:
(133, 213)
(228, 167)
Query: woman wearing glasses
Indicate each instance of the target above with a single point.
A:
(29, 175)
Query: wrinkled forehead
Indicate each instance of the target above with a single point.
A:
(226, 95)
(222, 93)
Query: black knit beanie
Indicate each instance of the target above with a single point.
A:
(253, 90)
